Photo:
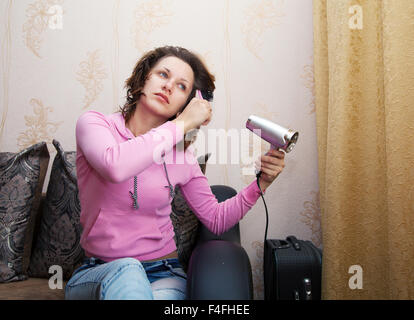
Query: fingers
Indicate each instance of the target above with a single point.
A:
(271, 164)
(204, 102)
(199, 96)
(199, 111)
(277, 153)
(272, 173)
(210, 112)
(276, 158)
(270, 167)
(206, 122)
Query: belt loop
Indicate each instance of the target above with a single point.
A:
(168, 265)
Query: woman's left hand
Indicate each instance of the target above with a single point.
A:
(271, 164)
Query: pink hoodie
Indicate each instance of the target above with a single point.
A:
(108, 159)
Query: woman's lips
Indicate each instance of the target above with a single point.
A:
(164, 97)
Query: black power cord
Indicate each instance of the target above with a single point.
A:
(264, 202)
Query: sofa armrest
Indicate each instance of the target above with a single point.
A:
(205, 235)
(222, 193)
(219, 270)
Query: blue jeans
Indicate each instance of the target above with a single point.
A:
(127, 279)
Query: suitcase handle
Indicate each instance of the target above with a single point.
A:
(295, 243)
(280, 244)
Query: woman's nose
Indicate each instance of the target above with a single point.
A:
(168, 85)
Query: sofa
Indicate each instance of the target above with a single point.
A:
(40, 233)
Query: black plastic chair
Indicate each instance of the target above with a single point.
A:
(219, 268)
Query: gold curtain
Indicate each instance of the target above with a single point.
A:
(364, 95)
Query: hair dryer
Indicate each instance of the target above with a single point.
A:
(277, 136)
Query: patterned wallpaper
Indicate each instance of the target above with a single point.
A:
(60, 58)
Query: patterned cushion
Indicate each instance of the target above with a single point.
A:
(58, 235)
(185, 222)
(21, 181)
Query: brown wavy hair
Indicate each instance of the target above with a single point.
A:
(203, 79)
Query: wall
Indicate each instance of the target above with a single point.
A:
(60, 58)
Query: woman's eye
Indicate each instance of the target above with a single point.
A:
(165, 75)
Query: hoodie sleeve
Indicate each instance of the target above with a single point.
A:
(217, 217)
(118, 161)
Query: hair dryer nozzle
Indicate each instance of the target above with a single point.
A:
(278, 136)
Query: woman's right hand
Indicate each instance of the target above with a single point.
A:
(197, 113)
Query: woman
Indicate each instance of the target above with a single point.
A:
(127, 170)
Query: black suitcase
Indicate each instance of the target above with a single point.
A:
(292, 270)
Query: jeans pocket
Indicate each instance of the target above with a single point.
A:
(82, 267)
(78, 273)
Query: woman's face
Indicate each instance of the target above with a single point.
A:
(168, 86)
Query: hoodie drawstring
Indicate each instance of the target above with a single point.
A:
(135, 194)
(172, 193)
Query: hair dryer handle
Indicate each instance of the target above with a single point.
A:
(257, 172)
(273, 147)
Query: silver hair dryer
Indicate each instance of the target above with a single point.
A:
(277, 136)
